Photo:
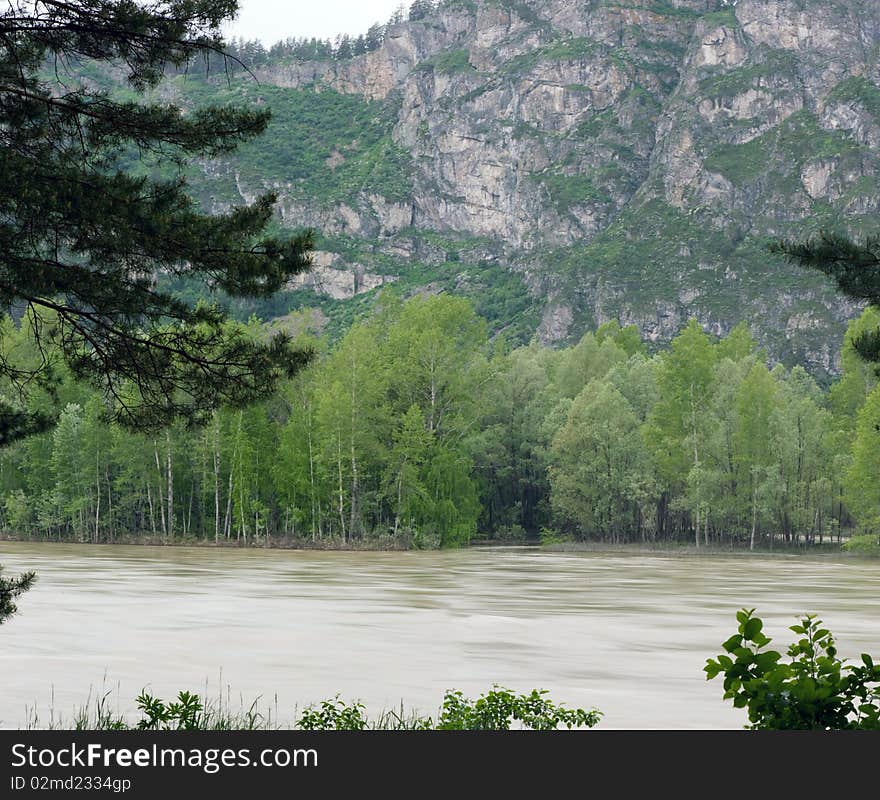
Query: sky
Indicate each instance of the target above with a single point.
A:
(273, 20)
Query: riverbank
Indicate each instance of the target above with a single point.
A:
(381, 544)
(689, 549)
(402, 544)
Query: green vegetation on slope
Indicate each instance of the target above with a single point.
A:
(788, 146)
(327, 146)
(857, 89)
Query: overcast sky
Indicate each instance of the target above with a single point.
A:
(272, 20)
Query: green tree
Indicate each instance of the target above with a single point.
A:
(352, 415)
(375, 36)
(717, 486)
(862, 487)
(69, 469)
(677, 425)
(404, 475)
(627, 339)
(600, 469)
(253, 443)
(858, 378)
(592, 357)
(510, 452)
(299, 473)
(420, 9)
(801, 440)
(434, 349)
(754, 406)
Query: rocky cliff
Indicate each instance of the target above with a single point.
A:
(624, 160)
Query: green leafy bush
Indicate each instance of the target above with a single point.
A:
(499, 708)
(183, 715)
(814, 690)
(333, 715)
(866, 543)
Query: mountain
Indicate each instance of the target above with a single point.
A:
(567, 162)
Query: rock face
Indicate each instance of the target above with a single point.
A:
(627, 159)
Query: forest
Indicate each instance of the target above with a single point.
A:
(416, 429)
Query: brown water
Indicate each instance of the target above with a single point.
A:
(625, 632)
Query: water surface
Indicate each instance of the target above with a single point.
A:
(625, 632)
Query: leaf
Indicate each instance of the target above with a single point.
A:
(743, 655)
(766, 661)
(733, 643)
(752, 628)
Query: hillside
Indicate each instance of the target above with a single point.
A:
(574, 161)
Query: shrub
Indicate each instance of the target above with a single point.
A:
(813, 690)
(333, 715)
(499, 708)
(866, 543)
(185, 714)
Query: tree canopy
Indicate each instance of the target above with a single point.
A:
(84, 244)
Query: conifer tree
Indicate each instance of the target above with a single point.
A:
(83, 244)
(10, 588)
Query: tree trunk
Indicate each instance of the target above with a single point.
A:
(354, 510)
(754, 513)
(227, 523)
(98, 496)
(216, 481)
(353, 525)
(170, 478)
(110, 503)
(161, 494)
(339, 467)
(399, 498)
(150, 504)
(242, 529)
(312, 495)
